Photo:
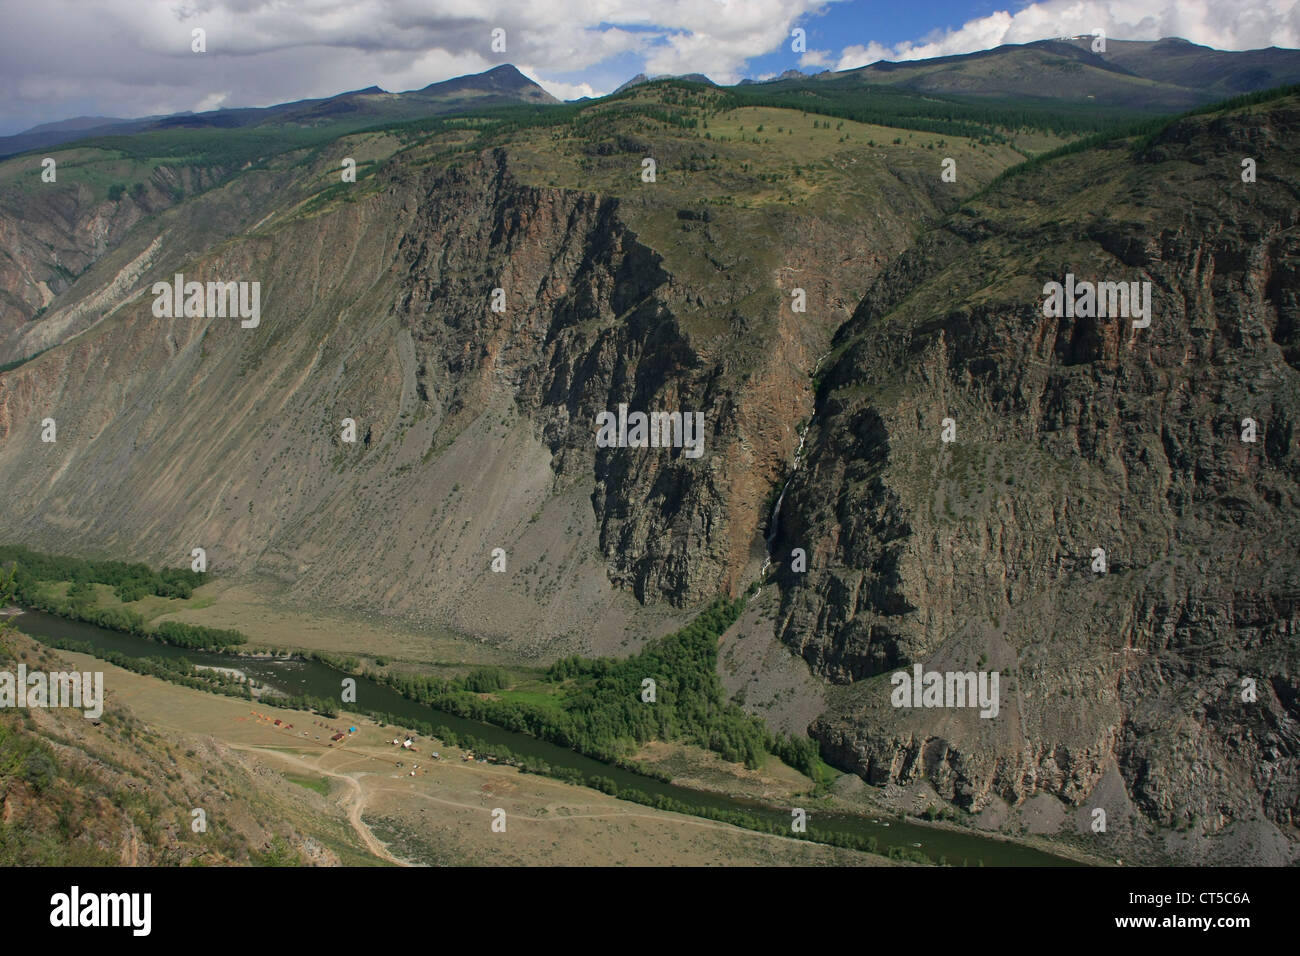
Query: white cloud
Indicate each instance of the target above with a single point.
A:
(852, 57)
(564, 91)
(212, 101)
(816, 59)
(61, 58)
(129, 57)
(1230, 25)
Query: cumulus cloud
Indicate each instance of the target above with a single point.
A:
(61, 58)
(133, 57)
(852, 57)
(816, 59)
(1234, 25)
(563, 91)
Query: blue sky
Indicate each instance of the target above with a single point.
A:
(832, 27)
(842, 34)
(889, 24)
(125, 58)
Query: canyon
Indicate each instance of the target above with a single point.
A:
(925, 298)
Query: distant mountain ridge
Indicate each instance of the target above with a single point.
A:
(502, 85)
(1162, 75)
(1179, 61)
(643, 78)
(1166, 75)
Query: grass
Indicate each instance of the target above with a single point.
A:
(552, 699)
(730, 162)
(10, 366)
(319, 784)
(260, 615)
(1143, 132)
(823, 774)
(151, 607)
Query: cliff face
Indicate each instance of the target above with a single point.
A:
(588, 323)
(476, 427)
(1073, 434)
(51, 234)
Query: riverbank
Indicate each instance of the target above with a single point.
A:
(443, 815)
(309, 677)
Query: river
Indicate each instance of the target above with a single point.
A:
(295, 676)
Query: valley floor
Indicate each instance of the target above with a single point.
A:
(443, 815)
(259, 612)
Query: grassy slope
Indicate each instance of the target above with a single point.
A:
(122, 791)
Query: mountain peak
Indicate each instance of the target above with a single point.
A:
(505, 78)
(688, 77)
(635, 81)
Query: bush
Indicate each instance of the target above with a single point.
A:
(39, 770)
(193, 635)
(131, 581)
(484, 680)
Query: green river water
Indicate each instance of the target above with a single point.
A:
(295, 676)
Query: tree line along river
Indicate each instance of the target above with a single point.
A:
(296, 676)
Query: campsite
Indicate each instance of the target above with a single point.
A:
(376, 812)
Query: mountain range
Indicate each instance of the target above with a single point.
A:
(1163, 75)
(909, 460)
(501, 85)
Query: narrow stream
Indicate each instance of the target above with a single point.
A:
(774, 520)
(295, 676)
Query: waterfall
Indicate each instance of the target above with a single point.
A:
(774, 519)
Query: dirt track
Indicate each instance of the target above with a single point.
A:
(355, 800)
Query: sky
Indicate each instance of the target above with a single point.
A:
(128, 58)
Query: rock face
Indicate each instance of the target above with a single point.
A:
(589, 323)
(51, 236)
(476, 427)
(1073, 434)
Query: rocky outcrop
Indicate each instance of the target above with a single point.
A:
(476, 427)
(1073, 434)
(50, 235)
